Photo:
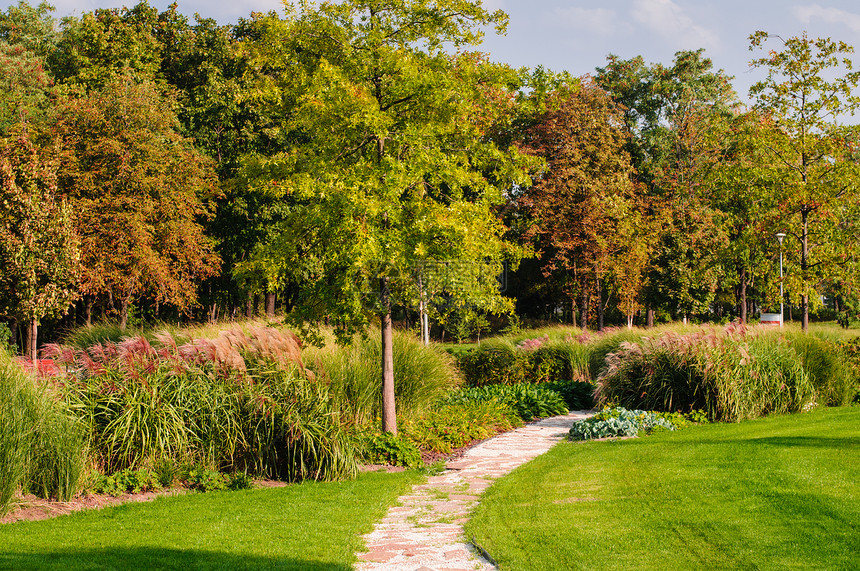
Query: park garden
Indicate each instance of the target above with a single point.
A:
(234, 257)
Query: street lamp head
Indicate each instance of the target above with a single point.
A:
(780, 236)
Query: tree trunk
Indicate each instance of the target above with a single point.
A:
(32, 345)
(743, 295)
(804, 268)
(649, 319)
(599, 305)
(89, 310)
(270, 304)
(389, 412)
(629, 321)
(583, 318)
(249, 307)
(123, 313)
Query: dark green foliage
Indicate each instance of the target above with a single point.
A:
(528, 401)
(578, 395)
(386, 448)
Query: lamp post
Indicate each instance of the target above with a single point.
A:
(781, 236)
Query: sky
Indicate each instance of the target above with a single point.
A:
(577, 35)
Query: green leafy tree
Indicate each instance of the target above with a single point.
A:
(808, 89)
(387, 167)
(25, 87)
(139, 190)
(102, 44)
(30, 27)
(670, 114)
(39, 256)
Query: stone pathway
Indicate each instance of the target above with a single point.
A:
(425, 532)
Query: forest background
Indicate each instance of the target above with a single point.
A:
(156, 168)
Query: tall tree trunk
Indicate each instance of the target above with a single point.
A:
(123, 313)
(649, 318)
(599, 304)
(249, 306)
(630, 321)
(743, 295)
(389, 411)
(804, 268)
(270, 304)
(583, 318)
(32, 344)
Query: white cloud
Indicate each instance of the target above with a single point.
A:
(669, 20)
(597, 20)
(806, 14)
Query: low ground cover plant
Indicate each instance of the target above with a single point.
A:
(620, 422)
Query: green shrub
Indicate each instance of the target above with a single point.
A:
(354, 374)
(533, 360)
(127, 482)
(620, 422)
(494, 362)
(41, 446)
(578, 395)
(450, 426)
(527, 401)
(386, 448)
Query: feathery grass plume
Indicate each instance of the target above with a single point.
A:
(240, 401)
(734, 374)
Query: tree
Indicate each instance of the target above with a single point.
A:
(812, 159)
(670, 113)
(387, 167)
(32, 28)
(586, 194)
(39, 257)
(25, 87)
(139, 190)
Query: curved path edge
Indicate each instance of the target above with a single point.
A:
(425, 531)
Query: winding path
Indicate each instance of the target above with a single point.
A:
(425, 532)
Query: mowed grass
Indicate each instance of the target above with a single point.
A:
(309, 526)
(774, 493)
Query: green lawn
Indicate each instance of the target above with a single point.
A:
(774, 493)
(312, 526)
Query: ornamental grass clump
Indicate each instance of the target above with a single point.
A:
(41, 446)
(240, 402)
(354, 375)
(733, 374)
